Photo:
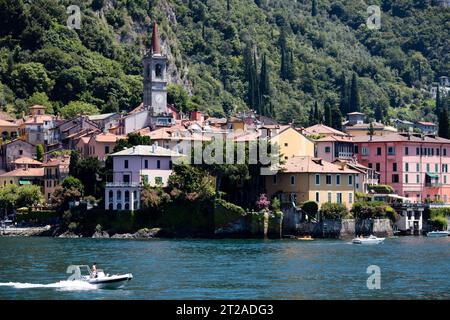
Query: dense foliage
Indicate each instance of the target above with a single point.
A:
(280, 57)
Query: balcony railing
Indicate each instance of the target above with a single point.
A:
(345, 154)
(433, 185)
(124, 184)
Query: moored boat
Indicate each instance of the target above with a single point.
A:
(368, 240)
(438, 234)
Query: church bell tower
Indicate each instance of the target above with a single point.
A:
(155, 78)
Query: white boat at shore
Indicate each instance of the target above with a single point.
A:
(368, 240)
(436, 234)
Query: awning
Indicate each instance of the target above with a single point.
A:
(23, 182)
(432, 175)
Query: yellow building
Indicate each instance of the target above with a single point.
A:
(313, 179)
(291, 142)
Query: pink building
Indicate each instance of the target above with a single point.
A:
(134, 168)
(98, 145)
(415, 165)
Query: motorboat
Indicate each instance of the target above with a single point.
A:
(438, 234)
(368, 240)
(305, 238)
(102, 280)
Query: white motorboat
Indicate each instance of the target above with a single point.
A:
(102, 280)
(368, 240)
(438, 234)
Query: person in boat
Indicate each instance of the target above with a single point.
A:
(94, 270)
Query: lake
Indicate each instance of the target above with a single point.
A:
(410, 267)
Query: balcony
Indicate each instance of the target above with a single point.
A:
(433, 185)
(123, 184)
(345, 155)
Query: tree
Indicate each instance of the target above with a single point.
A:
(72, 182)
(437, 108)
(74, 161)
(314, 8)
(354, 103)
(8, 198)
(264, 88)
(336, 117)
(444, 124)
(29, 196)
(76, 108)
(40, 98)
(61, 197)
(333, 211)
(327, 114)
(311, 208)
(343, 105)
(89, 169)
(251, 77)
(28, 78)
(40, 153)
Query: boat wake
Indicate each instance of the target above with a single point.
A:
(61, 285)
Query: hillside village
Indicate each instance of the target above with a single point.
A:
(405, 165)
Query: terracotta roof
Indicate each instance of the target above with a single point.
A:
(30, 172)
(323, 129)
(313, 165)
(366, 126)
(108, 137)
(5, 116)
(426, 123)
(38, 119)
(335, 138)
(397, 137)
(152, 150)
(27, 160)
(4, 123)
(65, 161)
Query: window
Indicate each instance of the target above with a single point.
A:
(365, 151)
(436, 167)
(391, 151)
(350, 180)
(285, 144)
(406, 167)
(445, 179)
(274, 179)
(145, 179)
(119, 195)
(170, 164)
(406, 151)
(158, 180)
(377, 167)
(378, 151)
(444, 152)
(127, 196)
(394, 167)
(350, 197)
(317, 179)
(292, 180)
(406, 178)
(339, 197)
(158, 70)
(21, 152)
(110, 195)
(125, 165)
(146, 164)
(417, 151)
(356, 150)
(317, 196)
(370, 166)
(395, 178)
(338, 179)
(328, 179)
(126, 178)
(329, 197)
(438, 151)
(428, 167)
(327, 149)
(106, 149)
(417, 178)
(158, 164)
(417, 167)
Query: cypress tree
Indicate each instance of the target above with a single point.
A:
(438, 101)
(250, 77)
(327, 115)
(314, 8)
(228, 5)
(264, 87)
(284, 62)
(40, 153)
(354, 103)
(290, 68)
(256, 94)
(336, 117)
(311, 116)
(343, 104)
(316, 114)
(444, 124)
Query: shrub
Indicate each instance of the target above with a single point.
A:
(310, 207)
(381, 188)
(334, 210)
(226, 212)
(373, 209)
(439, 222)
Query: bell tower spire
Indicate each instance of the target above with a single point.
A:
(156, 47)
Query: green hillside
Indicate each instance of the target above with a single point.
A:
(216, 50)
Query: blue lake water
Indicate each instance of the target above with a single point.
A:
(411, 268)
